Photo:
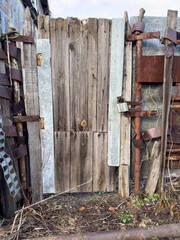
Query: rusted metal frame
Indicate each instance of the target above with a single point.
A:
(142, 36)
(151, 133)
(162, 231)
(19, 126)
(24, 39)
(20, 119)
(16, 74)
(138, 114)
(137, 120)
(5, 93)
(20, 152)
(17, 107)
(4, 80)
(13, 50)
(10, 131)
(152, 69)
(3, 56)
(167, 91)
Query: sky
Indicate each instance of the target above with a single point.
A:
(110, 8)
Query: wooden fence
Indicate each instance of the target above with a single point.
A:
(80, 65)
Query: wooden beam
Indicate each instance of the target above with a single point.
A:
(167, 90)
(32, 107)
(154, 167)
(125, 128)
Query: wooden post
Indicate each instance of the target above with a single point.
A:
(167, 89)
(153, 175)
(125, 127)
(32, 107)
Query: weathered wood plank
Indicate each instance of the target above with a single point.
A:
(167, 89)
(43, 27)
(104, 42)
(32, 107)
(154, 167)
(60, 73)
(46, 112)
(125, 128)
(92, 64)
(78, 34)
(115, 90)
(62, 161)
(103, 175)
(124, 180)
(81, 160)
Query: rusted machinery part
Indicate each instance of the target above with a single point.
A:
(162, 231)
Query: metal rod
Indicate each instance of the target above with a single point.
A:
(162, 231)
(137, 121)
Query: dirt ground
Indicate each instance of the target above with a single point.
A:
(80, 213)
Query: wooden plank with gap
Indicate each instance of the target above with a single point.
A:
(125, 128)
(154, 167)
(78, 35)
(60, 73)
(103, 175)
(43, 26)
(167, 90)
(62, 161)
(104, 43)
(92, 53)
(32, 107)
(81, 161)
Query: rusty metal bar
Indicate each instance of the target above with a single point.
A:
(139, 114)
(20, 119)
(162, 231)
(24, 39)
(149, 35)
(137, 121)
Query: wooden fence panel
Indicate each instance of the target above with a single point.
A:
(60, 73)
(81, 161)
(104, 39)
(80, 76)
(78, 34)
(103, 175)
(62, 161)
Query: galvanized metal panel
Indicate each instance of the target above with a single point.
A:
(115, 90)
(46, 112)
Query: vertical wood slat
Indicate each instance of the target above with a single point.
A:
(167, 90)
(92, 65)
(32, 107)
(115, 90)
(62, 161)
(104, 44)
(78, 33)
(60, 73)
(125, 128)
(103, 175)
(81, 161)
(43, 27)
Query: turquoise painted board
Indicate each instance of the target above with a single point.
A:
(46, 112)
(115, 90)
